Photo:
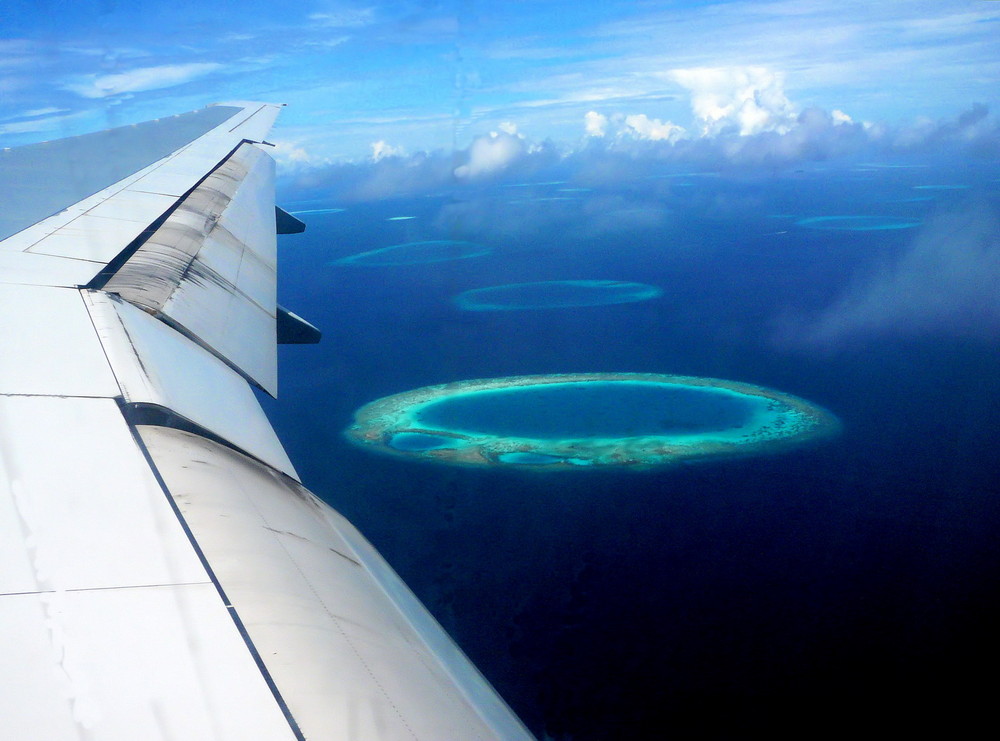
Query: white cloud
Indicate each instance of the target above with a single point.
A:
(382, 149)
(35, 113)
(330, 43)
(595, 124)
(491, 153)
(44, 112)
(750, 100)
(508, 127)
(744, 100)
(621, 155)
(293, 155)
(345, 17)
(141, 79)
(652, 129)
(839, 117)
(637, 126)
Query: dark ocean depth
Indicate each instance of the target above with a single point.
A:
(836, 586)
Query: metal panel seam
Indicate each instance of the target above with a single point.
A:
(237, 621)
(90, 310)
(334, 619)
(56, 396)
(97, 333)
(104, 589)
(370, 565)
(258, 110)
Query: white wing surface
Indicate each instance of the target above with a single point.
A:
(163, 572)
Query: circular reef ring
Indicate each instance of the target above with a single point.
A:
(587, 420)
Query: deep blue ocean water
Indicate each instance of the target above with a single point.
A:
(852, 584)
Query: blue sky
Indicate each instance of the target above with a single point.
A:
(376, 79)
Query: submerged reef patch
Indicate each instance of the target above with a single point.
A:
(413, 253)
(857, 223)
(587, 420)
(317, 211)
(554, 294)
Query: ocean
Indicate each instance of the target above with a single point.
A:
(849, 584)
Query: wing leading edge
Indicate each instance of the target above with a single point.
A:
(165, 574)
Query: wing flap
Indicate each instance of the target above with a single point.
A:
(155, 365)
(224, 298)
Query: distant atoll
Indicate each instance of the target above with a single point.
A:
(572, 421)
(555, 294)
(413, 253)
(857, 223)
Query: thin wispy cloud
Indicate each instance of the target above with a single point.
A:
(140, 80)
(44, 112)
(945, 283)
(344, 16)
(39, 123)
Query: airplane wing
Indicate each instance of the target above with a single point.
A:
(164, 574)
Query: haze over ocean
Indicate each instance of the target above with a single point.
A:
(812, 587)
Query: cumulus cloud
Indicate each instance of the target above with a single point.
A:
(292, 155)
(727, 102)
(141, 79)
(626, 148)
(382, 149)
(637, 126)
(944, 284)
(653, 129)
(595, 124)
(491, 153)
(749, 100)
(839, 117)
